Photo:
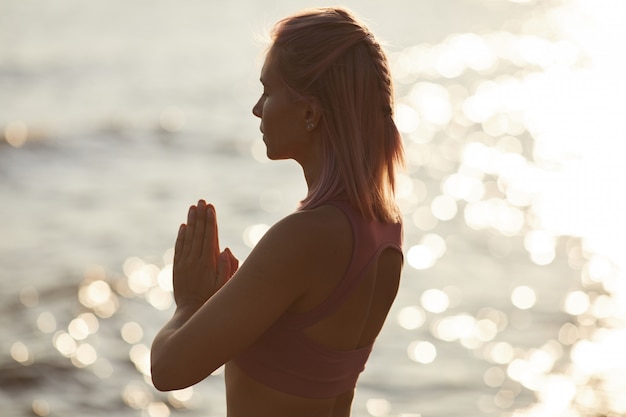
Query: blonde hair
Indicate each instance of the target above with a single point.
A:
(327, 53)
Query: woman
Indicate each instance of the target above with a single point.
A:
(296, 323)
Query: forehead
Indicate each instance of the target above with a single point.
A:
(269, 73)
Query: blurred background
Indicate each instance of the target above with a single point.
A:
(116, 115)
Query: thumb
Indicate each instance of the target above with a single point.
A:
(234, 262)
(226, 267)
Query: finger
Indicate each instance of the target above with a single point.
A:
(180, 241)
(189, 230)
(234, 262)
(200, 229)
(211, 244)
(223, 269)
(227, 267)
(216, 237)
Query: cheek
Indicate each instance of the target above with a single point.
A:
(267, 117)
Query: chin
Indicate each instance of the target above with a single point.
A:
(269, 153)
(272, 157)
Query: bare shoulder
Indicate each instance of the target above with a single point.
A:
(313, 227)
(308, 244)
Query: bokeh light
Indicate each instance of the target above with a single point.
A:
(434, 300)
(20, 353)
(181, 398)
(514, 141)
(172, 119)
(253, 234)
(46, 322)
(41, 407)
(422, 351)
(16, 133)
(523, 297)
(411, 317)
(378, 407)
(132, 332)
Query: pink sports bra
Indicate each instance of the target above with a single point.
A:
(285, 359)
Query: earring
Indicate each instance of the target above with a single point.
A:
(310, 126)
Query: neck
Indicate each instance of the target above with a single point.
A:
(311, 175)
(311, 164)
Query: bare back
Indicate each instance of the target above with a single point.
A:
(355, 324)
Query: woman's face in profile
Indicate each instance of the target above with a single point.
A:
(283, 117)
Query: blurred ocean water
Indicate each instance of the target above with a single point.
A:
(115, 116)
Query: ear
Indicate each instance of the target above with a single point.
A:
(312, 112)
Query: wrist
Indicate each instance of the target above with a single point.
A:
(185, 310)
(190, 305)
(196, 301)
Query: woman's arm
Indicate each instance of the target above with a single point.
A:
(217, 318)
(199, 271)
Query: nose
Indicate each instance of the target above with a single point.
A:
(257, 110)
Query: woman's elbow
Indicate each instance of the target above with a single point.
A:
(160, 385)
(164, 382)
(160, 379)
(168, 377)
(163, 377)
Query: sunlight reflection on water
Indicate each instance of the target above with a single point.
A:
(567, 98)
(523, 133)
